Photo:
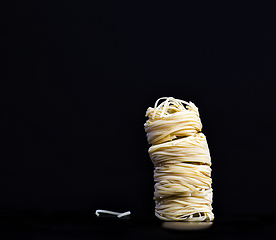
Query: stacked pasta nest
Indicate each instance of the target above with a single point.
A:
(182, 161)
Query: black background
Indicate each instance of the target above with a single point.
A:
(78, 76)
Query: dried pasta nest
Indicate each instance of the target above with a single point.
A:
(182, 161)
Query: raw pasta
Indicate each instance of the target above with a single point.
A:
(182, 161)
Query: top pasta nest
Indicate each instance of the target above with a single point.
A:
(168, 107)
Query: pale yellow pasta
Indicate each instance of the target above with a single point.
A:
(170, 120)
(182, 161)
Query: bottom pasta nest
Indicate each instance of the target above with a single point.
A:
(184, 209)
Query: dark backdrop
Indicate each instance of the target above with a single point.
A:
(78, 76)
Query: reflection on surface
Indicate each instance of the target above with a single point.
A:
(187, 226)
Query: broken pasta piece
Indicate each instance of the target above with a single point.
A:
(119, 215)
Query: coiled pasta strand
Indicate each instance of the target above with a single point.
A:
(182, 161)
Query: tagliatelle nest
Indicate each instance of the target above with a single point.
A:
(182, 161)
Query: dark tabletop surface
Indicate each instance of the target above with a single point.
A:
(85, 225)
